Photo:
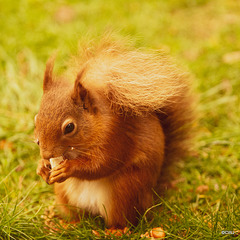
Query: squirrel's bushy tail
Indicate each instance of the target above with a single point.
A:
(138, 83)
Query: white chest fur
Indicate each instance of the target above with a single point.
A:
(93, 196)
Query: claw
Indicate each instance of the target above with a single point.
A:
(47, 165)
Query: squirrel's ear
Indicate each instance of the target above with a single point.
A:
(81, 96)
(48, 76)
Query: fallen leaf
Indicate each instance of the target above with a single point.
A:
(117, 232)
(157, 233)
(96, 233)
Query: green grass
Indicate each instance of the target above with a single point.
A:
(201, 35)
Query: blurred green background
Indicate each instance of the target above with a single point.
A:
(203, 37)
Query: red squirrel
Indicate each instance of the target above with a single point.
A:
(127, 114)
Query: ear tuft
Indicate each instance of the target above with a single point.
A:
(48, 76)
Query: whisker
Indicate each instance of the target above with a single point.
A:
(89, 153)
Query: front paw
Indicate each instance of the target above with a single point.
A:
(43, 169)
(61, 172)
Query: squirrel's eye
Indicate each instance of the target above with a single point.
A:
(69, 128)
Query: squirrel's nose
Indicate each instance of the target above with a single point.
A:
(46, 154)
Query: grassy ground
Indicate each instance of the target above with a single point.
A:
(202, 35)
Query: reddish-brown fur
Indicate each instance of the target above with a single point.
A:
(131, 111)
